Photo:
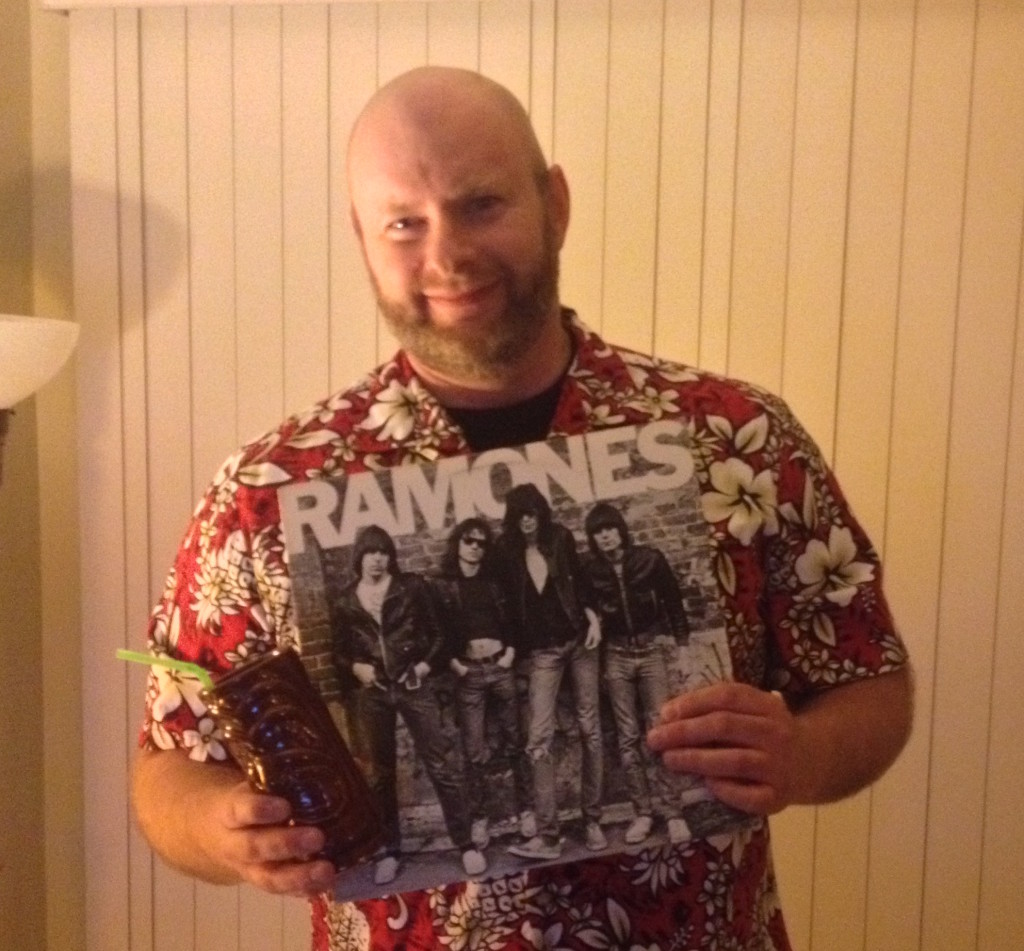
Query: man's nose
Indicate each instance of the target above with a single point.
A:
(449, 247)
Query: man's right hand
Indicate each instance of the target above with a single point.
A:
(203, 819)
(364, 673)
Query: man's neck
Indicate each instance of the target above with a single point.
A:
(468, 568)
(534, 373)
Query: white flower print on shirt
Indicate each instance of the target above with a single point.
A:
(394, 411)
(204, 742)
(174, 687)
(747, 502)
(832, 569)
(223, 580)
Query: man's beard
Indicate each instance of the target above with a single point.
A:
(491, 350)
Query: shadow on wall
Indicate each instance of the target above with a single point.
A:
(145, 280)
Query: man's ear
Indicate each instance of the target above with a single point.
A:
(356, 226)
(558, 203)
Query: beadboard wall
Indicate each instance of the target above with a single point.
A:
(823, 196)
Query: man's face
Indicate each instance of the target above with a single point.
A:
(529, 523)
(461, 242)
(375, 565)
(608, 540)
(472, 546)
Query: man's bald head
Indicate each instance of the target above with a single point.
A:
(435, 102)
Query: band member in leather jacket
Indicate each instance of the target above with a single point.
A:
(642, 624)
(548, 591)
(386, 634)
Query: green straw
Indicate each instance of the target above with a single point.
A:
(152, 660)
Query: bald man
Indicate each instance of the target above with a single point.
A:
(461, 222)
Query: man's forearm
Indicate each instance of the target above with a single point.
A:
(851, 735)
(203, 819)
(168, 790)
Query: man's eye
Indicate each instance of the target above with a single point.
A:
(402, 229)
(482, 204)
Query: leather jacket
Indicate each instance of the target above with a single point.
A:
(565, 574)
(645, 604)
(408, 633)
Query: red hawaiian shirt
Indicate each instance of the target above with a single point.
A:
(799, 587)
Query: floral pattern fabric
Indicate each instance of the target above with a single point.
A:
(799, 586)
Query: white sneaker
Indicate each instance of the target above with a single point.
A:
(474, 862)
(678, 831)
(536, 848)
(638, 830)
(386, 870)
(480, 834)
(595, 837)
(527, 825)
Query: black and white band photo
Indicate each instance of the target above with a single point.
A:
(494, 636)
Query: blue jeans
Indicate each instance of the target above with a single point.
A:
(483, 683)
(548, 667)
(378, 708)
(630, 675)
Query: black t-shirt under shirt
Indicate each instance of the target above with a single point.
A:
(515, 425)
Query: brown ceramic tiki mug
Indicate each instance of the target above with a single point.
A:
(278, 729)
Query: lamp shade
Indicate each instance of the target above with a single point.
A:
(32, 350)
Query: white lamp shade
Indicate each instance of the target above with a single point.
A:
(32, 350)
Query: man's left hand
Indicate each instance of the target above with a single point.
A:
(743, 741)
(760, 755)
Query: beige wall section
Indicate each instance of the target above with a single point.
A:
(824, 196)
(41, 856)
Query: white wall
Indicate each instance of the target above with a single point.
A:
(823, 196)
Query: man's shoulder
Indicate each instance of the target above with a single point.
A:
(325, 437)
(658, 385)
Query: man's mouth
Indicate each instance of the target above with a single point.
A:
(460, 296)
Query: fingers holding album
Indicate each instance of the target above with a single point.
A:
(741, 740)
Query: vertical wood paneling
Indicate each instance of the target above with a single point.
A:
(1001, 913)
(402, 38)
(810, 356)
(864, 408)
(505, 45)
(763, 178)
(631, 173)
(164, 322)
(211, 226)
(986, 329)
(926, 351)
(94, 219)
(541, 100)
(817, 229)
(580, 146)
(826, 197)
(259, 228)
(137, 564)
(306, 200)
(453, 37)
(685, 51)
(306, 140)
(922, 375)
(764, 123)
(871, 280)
(720, 188)
(353, 77)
